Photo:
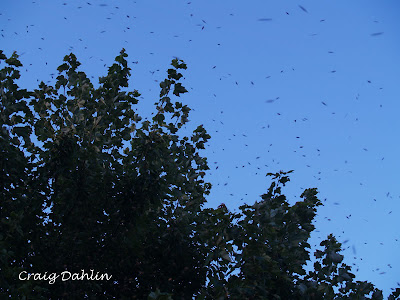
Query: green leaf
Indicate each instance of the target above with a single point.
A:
(179, 89)
(13, 60)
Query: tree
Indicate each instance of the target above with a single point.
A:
(99, 188)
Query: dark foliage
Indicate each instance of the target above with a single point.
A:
(87, 184)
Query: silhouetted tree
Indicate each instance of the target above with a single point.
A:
(87, 184)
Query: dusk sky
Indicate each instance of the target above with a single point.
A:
(309, 86)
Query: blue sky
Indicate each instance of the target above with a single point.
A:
(276, 86)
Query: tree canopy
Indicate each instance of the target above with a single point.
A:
(88, 184)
